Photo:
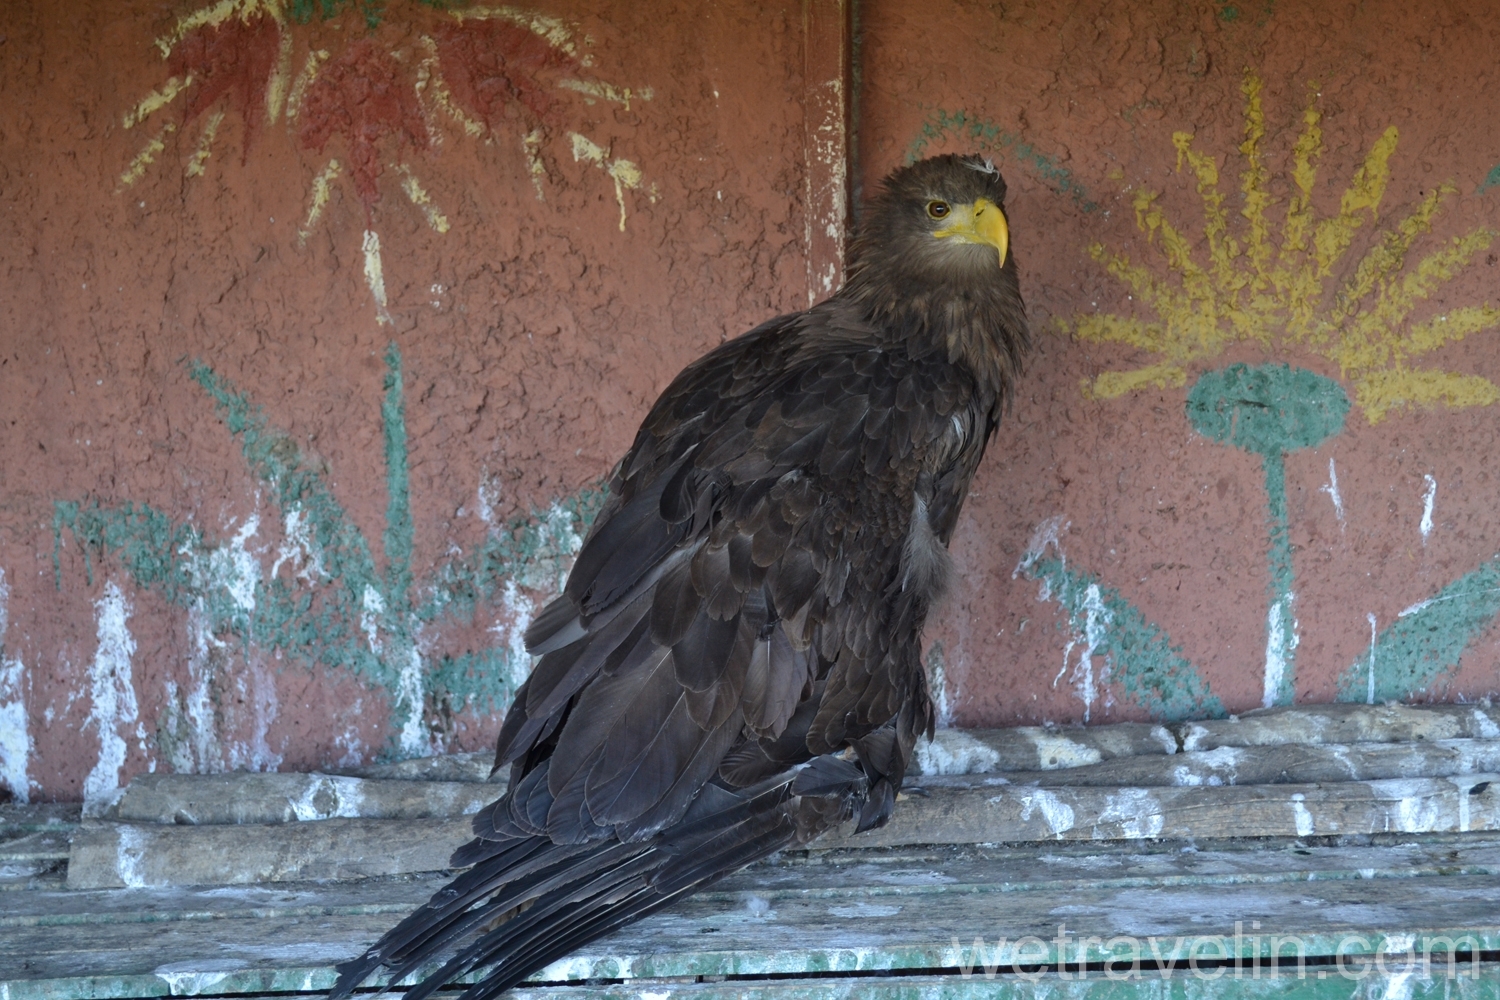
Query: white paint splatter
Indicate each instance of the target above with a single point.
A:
(1277, 646)
(113, 693)
(1332, 489)
(1462, 784)
(1058, 814)
(1421, 813)
(256, 688)
(1399, 986)
(512, 632)
(1045, 536)
(15, 736)
(1136, 810)
(375, 274)
(129, 850)
(414, 741)
(298, 547)
(1370, 696)
(1222, 763)
(349, 742)
(554, 30)
(346, 795)
(372, 606)
(1485, 726)
(1096, 626)
(488, 499)
(1428, 499)
(953, 751)
(1301, 816)
(200, 716)
(1053, 750)
(235, 568)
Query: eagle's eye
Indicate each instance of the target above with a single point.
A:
(938, 209)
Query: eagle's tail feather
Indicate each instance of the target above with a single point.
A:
(540, 900)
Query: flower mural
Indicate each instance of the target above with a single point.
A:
(332, 608)
(1278, 289)
(494, 74)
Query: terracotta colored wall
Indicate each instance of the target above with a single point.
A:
(1196, 186)
(251, 516)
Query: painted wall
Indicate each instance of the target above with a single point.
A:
(1254, 462)
(325, 319)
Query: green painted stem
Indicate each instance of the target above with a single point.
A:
(398, 527)
(1270, 410)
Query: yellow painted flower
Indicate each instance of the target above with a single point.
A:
(1276, 291)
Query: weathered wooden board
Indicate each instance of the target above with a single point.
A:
(951, 814)
(1391, 723)
(919, 921)
(119, 855)
(445, 767)
(1265, 765)
(21, 821)
(1025, 748)
(127, 855)
(1395, 982)
(195, 799)
(1051, 868)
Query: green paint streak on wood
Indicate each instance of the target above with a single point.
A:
(984, 136)
(322, 616)
(1151, 671)
(1039, 953)
(1426, 641)
(1270, 410)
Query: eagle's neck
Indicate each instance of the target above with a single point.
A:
(982, 329)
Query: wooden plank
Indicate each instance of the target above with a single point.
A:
(49, 845)
(1276, 764)
(195, 799)
(126, 855)
(1395, 981)
(1343, 724)
(20, 821)
(108, 855)
(1036, 748)
(445, 767)
(279, 798)
(1054, 869)
(754, 934)
(1004, 813)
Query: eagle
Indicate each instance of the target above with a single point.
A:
(734, 665)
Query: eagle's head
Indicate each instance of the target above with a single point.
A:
(931, 258)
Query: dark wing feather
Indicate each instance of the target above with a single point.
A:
(739, 608)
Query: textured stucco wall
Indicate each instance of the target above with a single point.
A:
(1199, 185)
(292, 450)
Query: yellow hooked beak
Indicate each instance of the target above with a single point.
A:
(981, 222)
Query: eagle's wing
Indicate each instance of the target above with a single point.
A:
(750, 599)
(758, 545)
